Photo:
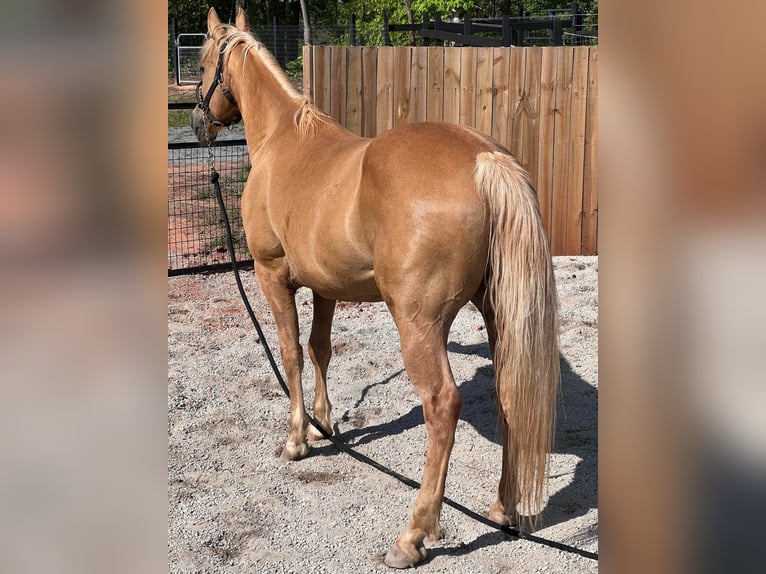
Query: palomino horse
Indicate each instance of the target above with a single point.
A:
(426, 218)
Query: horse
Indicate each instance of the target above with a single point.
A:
(425, 218)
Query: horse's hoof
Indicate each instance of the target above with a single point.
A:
(498, 516)
(398, 558)
(313, 435)
(294, 451)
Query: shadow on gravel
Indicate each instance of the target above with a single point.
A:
(483, 541)
(576, 434)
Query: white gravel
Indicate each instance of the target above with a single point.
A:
(236, 506)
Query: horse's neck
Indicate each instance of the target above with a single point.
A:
(266, 107)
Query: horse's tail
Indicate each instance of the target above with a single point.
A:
(522, 292)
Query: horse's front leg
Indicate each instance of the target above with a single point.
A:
(281, 298)
(320, 352)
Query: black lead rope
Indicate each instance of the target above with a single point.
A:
(214, 177)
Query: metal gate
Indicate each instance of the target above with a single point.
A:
(188, 47)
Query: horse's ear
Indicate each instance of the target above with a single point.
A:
(242, 22)
(214, 24)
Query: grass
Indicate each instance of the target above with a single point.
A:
(217, 219)
(204, 193)
(237, 180)
(179, 118)
(220, 243)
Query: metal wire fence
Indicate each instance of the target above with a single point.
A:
(196, 234)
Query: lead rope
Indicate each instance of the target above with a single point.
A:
(509, 530)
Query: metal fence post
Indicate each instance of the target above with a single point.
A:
(467, 27)
(174, 41)
(558, 37)
(352, 30)
(275, 39)
(386, 39)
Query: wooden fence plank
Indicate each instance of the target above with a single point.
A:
(590, 167)
(369, 91)
(467, 114)
(484, 90)
(354, 101)
(531, 122)
(401, 102)
(321, 78)
(436, 81)
(500, 108)
(516, 102)
(308, 58)
(385, 89)
(338, 83)
(547, 107)
(561, 149)
(452, 85)
(418, 84)
(576, 150)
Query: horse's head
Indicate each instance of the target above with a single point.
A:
(216, 106)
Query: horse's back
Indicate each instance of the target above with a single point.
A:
(427, 156)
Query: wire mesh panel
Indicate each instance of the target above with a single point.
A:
(196, 233)
(284, 42)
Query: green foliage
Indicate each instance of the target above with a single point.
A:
(294, 69)
(192, 14)
(369, 13)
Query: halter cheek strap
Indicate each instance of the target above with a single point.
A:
(204, 103)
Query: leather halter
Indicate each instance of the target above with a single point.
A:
(204, 103)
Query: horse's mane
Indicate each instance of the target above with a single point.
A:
(307, 116)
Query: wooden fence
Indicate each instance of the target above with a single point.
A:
(540, 103)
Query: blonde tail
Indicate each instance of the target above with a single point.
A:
(522, 293)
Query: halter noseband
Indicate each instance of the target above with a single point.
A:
(204, 103)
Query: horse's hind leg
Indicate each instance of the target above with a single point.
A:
(503, 510)
(281, 298)
(424, 349)
(320, 352)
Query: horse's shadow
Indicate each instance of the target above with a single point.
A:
(576, 434)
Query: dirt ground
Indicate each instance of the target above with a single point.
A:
(236, 506)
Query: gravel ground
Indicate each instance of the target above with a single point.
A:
(236, 506)
(186, 135)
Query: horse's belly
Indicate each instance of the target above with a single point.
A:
(343, 285)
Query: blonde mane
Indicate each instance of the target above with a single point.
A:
(307, 116)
